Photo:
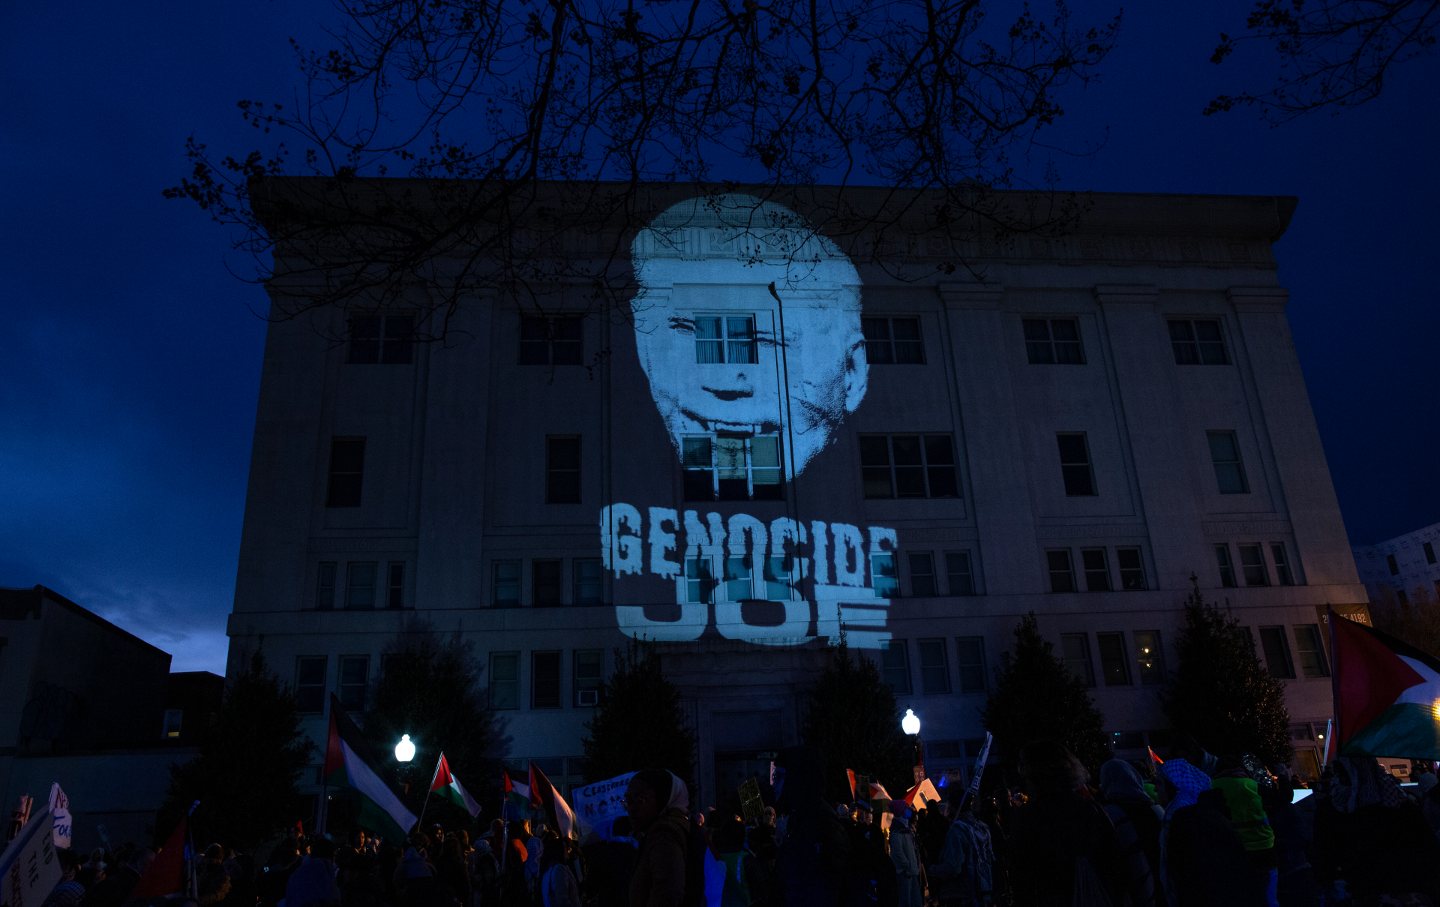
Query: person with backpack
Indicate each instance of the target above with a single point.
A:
(965, 875)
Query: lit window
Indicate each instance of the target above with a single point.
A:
(1149, 657)
(1053, 341)
(173, 720)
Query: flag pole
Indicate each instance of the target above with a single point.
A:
(1333, 726)
(425, 804)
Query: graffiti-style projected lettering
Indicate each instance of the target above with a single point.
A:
(747, 326)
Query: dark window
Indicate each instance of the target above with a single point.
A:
(360, 584)
(1062, 571)
(1225, 457)
(1097, 569)
(1227, 568)
(893, 341)
(1283, 574)
(310, 684)
(585, 677)
(1132, 569)
(562, 470)
(589, 581)
(395, 585)
(381, 339)
(554, 340)
(895, 666)
(1114, 660)
(1075, 463)
(325, 586)
(1394, 567)
(934, 667)
(1252, 565)
(959, 573)
(505, 584)
(545, 582)
(725, 338)
(504, 680)
(1311, 651)
(908, 466)
(970, 659)
(1277, 652)
(545, 680)
(354, 676)
(1429, 552)
(1053, 341)
(1075, 649)
(1149, 657)
(922, 574)
(732, 469)
(347, 472)
(1198, 342)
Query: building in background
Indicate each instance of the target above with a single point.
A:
(95, 708)
(767, 438)
(1402, 571)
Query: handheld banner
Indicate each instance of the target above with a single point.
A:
(598, 805)
(29, 868)
(974, 789)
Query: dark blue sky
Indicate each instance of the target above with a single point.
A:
(131, 354)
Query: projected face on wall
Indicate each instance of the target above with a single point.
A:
(747, 326)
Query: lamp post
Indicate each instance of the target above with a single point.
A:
(910, 724)
(404, 754)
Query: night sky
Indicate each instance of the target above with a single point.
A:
(131, 353)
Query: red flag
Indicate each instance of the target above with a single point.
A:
(850, 773)
(166, 875)
(545, 797)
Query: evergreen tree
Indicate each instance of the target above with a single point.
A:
(639, 723)
(247, 773)
(1220, 694)
(430, 688)
(852, 720)
(1036, 697)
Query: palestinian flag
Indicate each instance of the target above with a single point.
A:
(517, 796)
(1387, 694)
(448, 786)
(546, 799)
(168, 874)
(381, 809)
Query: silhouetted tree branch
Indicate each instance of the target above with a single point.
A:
(915, 94)
(1333, 54)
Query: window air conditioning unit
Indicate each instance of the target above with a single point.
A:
(588, 698)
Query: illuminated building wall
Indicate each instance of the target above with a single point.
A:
(769, 440)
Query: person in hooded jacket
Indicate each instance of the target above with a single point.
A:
(657, 802)
(1137, 822)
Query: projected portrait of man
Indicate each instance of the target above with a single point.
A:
(747, 325)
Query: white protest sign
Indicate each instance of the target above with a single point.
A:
(60, 810)
(598, 805)
(29, 868)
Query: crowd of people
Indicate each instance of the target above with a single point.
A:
(1195, 830)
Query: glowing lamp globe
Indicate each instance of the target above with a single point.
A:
(910, 724)
(404, 750)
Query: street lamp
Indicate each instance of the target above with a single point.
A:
(910, 724)
(405, 749)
